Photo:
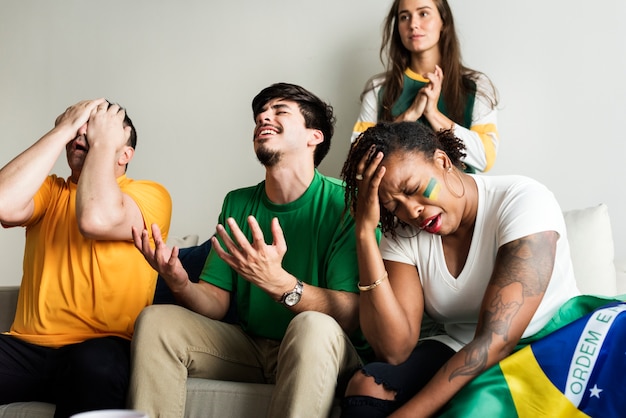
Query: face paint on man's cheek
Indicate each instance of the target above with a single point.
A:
(432, 190)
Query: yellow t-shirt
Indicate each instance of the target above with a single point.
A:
(75, 288)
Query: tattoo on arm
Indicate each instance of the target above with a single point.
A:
(527, 261)
(523, 269)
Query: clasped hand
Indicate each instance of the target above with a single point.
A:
(427, 98)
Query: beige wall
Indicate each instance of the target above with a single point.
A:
(187, 71)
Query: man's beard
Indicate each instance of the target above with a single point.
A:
(268, 157)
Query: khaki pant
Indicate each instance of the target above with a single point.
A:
(172, 343)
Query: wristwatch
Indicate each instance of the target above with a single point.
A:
(293, 297)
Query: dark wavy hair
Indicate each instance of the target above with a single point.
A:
(390, 139)
(458, 82)
(317, 114)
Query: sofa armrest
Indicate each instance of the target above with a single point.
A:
(592, 249)
(8, 302)
(620, 271)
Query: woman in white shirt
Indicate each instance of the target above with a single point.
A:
(486, 256)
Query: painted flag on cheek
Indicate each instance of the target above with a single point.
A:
(577, 370)
(432, 190)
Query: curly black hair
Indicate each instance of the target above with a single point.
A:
(390, 138)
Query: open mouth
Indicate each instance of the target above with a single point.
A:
(267, 129)
(432, 225)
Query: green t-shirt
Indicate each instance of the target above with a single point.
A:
(321, 251)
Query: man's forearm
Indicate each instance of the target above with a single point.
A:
(342, 306)
(203, 298)
(99, 200)
(21, 177)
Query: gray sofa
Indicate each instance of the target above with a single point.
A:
(591, 242)
(205, 398)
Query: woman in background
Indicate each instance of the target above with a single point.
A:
(425, 80)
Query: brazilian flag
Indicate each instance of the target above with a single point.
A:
(574, 367)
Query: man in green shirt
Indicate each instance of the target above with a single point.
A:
(286, 249)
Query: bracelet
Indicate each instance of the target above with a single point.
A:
(373, 285)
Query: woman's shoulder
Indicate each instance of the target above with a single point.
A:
(511, 186)
(372, 87)
(476, 76)
(482, 84)
(504, 179)
(375, 82)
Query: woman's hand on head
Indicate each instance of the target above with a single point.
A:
(367, 208)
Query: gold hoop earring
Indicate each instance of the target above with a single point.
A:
(445, 179)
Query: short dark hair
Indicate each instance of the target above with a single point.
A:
(317, 114)
(132, 140)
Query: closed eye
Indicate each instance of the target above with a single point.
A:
(280, 108)
(411, 192)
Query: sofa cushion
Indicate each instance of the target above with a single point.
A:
(215, 398)
(591, 245)
(8, 303)
(620, 274)
(183, 242)
(27, 410)
(192, 259)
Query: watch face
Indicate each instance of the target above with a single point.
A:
(292, 298)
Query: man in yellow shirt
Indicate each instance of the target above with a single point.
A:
(84, 283)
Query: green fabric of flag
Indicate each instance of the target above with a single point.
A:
(531, 383)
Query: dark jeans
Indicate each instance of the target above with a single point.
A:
(79, 377)
(405, 379)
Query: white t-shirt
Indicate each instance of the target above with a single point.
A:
(509, 208)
